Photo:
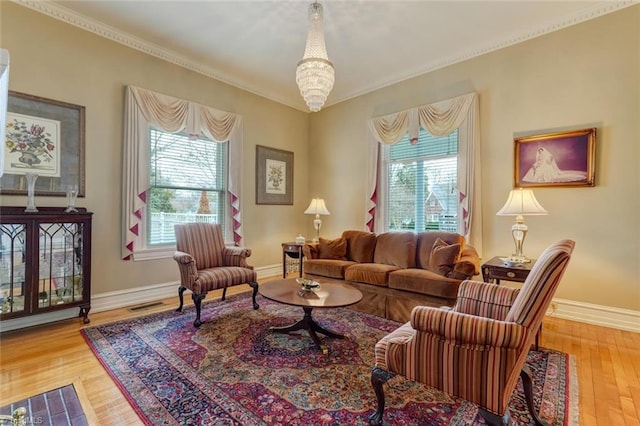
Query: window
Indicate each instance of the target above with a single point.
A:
(188, 183)
(171, 176)
(421, 183)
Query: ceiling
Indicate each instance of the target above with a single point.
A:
(256, 45)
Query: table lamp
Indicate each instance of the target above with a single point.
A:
(318, 208)
(521, 203)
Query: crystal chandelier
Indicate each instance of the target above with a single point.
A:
(315, 74)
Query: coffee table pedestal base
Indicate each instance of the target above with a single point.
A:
(312, 327)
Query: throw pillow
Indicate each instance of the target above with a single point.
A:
(332, 249)
(360, 245)
(443, 257)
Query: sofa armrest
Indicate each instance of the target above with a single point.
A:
(236, 256)
(310, 250)
(467, 266)
(464, 330)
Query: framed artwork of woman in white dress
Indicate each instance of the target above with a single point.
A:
(555, 159)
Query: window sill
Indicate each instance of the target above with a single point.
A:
(154, 253)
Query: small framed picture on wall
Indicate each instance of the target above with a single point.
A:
(274, 176)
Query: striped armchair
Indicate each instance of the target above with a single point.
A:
(477, 349)
(206, 264)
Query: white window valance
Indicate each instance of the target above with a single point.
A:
(439, 119)
(144, 108)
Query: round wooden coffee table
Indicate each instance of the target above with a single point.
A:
(328, 295)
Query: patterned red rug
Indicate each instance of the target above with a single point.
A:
(233, 371)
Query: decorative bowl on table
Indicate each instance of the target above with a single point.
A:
(513, 261)
(307, 285)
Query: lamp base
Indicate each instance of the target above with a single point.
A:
(317, 224)
(519, 233)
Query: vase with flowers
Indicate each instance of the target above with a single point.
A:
(33, 142)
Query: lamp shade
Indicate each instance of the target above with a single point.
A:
(317, 206)
(522, 202)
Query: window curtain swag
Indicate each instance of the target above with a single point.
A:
(143, 109)
(439, 119)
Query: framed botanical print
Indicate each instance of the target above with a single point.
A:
(44, 137)
(274, 176)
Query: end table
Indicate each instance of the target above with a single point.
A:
(495, 270)
(294, 250)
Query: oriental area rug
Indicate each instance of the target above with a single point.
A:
(234, 371)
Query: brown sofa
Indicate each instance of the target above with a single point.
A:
(395, 271)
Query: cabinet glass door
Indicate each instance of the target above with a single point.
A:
(60, 278)
(12, 267)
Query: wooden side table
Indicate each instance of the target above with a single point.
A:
(294, 250)
(495, 270)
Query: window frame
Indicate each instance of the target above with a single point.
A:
(221, 190)
(386, 162)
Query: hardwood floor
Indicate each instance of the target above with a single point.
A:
(42, 358)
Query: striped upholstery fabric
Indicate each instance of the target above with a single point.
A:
(205, 263)
(477, 349)
(489, 301)
(541, 284)
(203, 241)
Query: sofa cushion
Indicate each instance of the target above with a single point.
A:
(360, 245)
(327, 267)
(369, 273)
(332, 249)
(443, 257)
(396, 248)
(424, 282)
(427, 239)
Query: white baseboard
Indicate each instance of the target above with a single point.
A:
(117, 299)
(606, 316)
(30, 321)
(622, 319)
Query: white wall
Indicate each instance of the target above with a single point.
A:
(584, 76)
(52, 59)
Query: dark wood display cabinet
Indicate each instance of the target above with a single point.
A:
(45, 261)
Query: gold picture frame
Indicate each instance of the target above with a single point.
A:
(561, 159)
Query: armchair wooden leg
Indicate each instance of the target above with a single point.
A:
(527, 384)
(495, 420)
(224, 293)
(181, 290)
(378, 378)
(254, 286)
(197, 300)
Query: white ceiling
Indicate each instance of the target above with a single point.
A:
(256, 45)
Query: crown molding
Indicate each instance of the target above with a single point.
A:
(68, 16)
(592, 12)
